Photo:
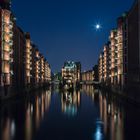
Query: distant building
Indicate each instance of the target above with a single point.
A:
(41, 71)
(47, 72)
(57, 77)
(88, 76)
(106, 63)
(78, 67)
(100, 68)
(71, 72)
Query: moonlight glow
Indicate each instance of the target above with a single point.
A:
(97, 26)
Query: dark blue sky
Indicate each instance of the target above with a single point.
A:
(63, 28)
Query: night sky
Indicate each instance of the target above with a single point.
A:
(64, 29)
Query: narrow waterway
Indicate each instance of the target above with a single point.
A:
(87, 114)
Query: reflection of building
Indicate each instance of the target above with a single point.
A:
(9, 129)
(41, 105)
(71, 72)
(89, 90)
(35, 113)
(32, 114)
(70, 102)
(112, 117)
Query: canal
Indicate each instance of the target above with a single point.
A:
(87, 114)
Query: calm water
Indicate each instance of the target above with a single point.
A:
(88, 114)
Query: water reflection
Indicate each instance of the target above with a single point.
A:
(8, 129)
(112, 116)
(21, 119)
(98, 132)
(70, 101)
(92, 115)
(90, 91)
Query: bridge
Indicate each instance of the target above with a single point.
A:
(90, 82)
(82, 82)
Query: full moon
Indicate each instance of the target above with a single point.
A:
(98, 26)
